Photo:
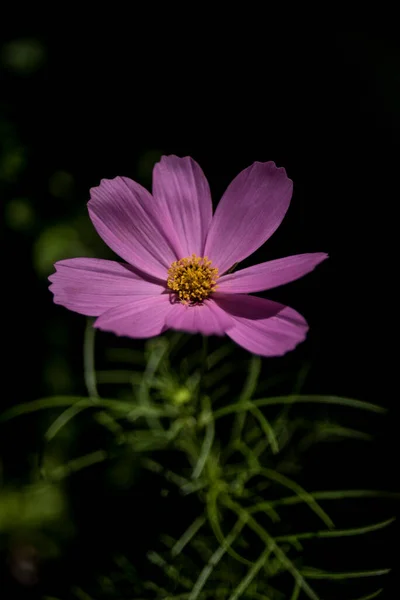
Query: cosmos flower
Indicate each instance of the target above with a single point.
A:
(179, 256)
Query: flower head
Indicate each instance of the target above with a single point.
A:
(178, 256)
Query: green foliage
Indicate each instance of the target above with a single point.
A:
(239, 467)
(26, 508)
(23, 56)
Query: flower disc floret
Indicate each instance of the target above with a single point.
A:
(192, 278)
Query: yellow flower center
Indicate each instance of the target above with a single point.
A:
(192, 278)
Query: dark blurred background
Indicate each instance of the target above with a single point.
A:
(79, 106)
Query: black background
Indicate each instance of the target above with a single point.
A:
(326, 107)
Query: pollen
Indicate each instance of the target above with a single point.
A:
(192, 278)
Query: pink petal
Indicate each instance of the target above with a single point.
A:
(180, 187)
(91, 286)
(207, 318)
(249, 212)
(133, 225)
(262, 326)
(270, 274)
(140, 318)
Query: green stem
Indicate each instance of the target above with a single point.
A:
(206, 446)
(204, 356)
(156, 356)
(245, 397)
(203, 366)
(88, 360)
(90, 382)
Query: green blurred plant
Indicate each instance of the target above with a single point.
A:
(23, 56)
(243, 539)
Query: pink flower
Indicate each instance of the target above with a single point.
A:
(179, 254)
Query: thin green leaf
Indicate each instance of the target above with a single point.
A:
(176, 341)
(150, 412)
(301, 377)
(220, 392)
(296, 591)
(158, 352)
(336, 495)
(41, 404)
(250, 456)
(194, 486)
(238, 407)
(327, 433)
(335, 532)
(215, 376)
(305, 496)
(83, 462)
(317, 574)
(251, 574)
(106, 420)
(216, 557)
(169, 570)
(125, 408)
(134, 413)
(220, 354)
(155, 467)
(267, 429)
(248, 390)
(371, 596)
(207, 441)
(62, 420)
(317, 399)
(270, 542)
(252, 379)
(213, 518)
(81, 594)
(88, 359)
(189, 534)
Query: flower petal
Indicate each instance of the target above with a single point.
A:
(262, 326)
(133, 225)
(270, 274)
(140, 318)
(181, 188)
(249, 212)
(91, 286)
(207, 318)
